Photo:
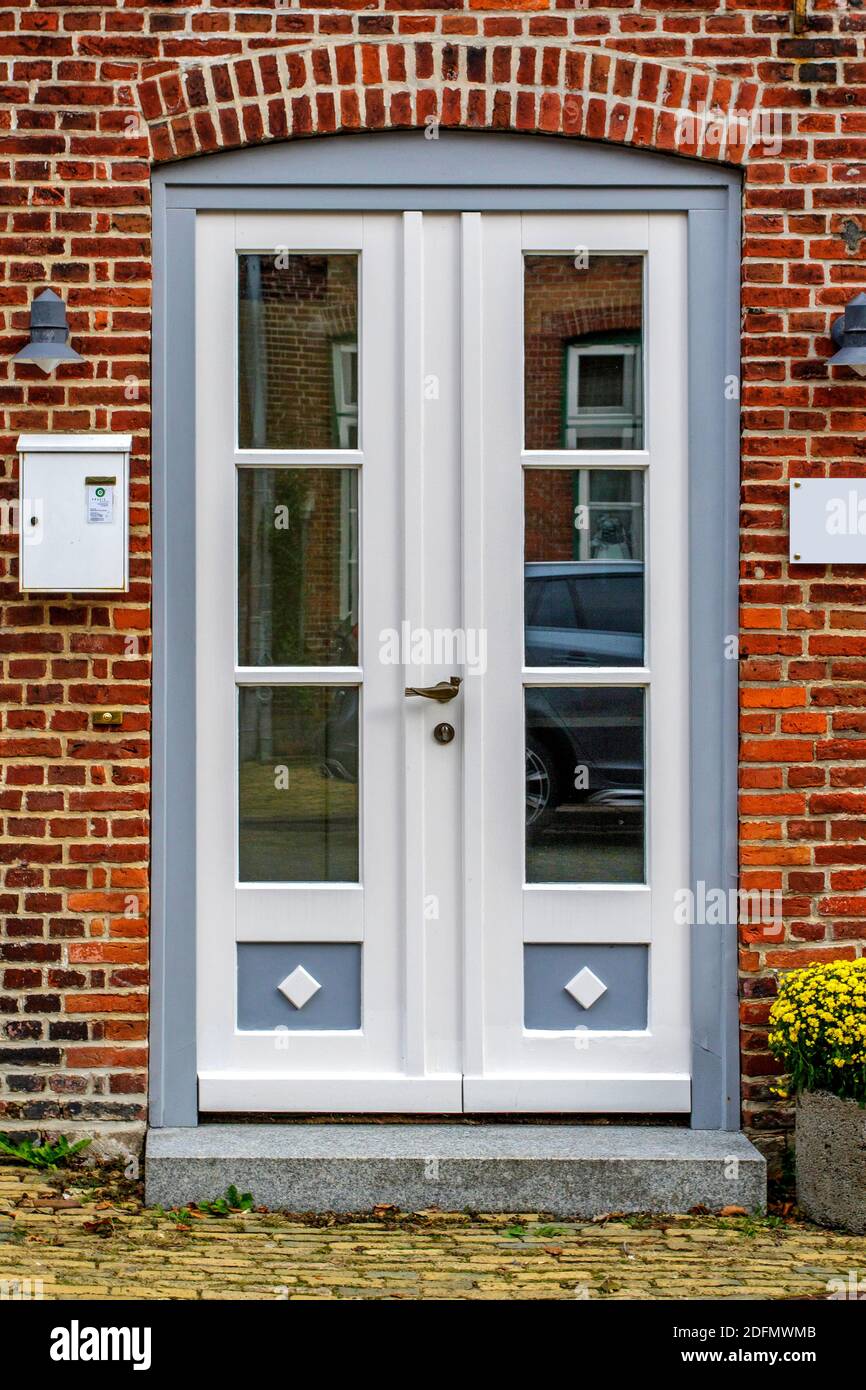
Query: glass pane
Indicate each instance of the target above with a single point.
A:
(583, 334)
(298, 351)
(601, 382)
(583, 567)
(584, 785)
(297, 567)
(298, 779)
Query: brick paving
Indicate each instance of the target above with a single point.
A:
(86, 1235)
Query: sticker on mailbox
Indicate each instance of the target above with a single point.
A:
(100, 503)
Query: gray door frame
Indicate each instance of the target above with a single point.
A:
(460, 171)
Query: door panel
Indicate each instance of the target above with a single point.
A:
(595, 872)
(301, 795)
(388, 495)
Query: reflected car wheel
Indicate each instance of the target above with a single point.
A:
(540, 783)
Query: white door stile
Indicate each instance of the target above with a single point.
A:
(439, 539)
(667, 637)
(414, 767)
(215, 601)
(473, 541)
(504, 780)
(441, 908)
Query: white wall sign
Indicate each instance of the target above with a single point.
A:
(828, 521)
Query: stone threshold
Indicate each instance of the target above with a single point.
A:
(568, 1170)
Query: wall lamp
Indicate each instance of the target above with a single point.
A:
(849, 334)
(49, 334)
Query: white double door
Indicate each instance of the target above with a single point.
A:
(430, 446)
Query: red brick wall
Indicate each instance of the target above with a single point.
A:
(74, 170)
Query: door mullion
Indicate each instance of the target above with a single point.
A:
(295, 458)
(474, 620)
(414, 1003)
(573, 676)
(299, 675)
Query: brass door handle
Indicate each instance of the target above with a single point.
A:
(441, 693)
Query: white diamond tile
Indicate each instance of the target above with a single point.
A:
(299, 987)
(586, 988)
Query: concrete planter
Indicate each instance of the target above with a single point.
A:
(831, 1160)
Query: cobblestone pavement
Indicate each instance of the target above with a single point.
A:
(86, 1235)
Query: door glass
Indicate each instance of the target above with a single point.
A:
(583, 567)
(298, 784)
(298, 351)
(583, 335)
(584, 784)
(297, 567)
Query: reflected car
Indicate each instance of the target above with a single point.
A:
(584, 613)
(596, 729)
(585, 751)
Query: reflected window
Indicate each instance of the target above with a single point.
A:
(603, 396)
(344, 358)
(297, 567)
(583, 359)
(298, 351)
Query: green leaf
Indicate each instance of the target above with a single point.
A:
(45, 1155)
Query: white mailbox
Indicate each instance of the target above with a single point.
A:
(73, 513)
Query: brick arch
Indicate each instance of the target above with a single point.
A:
(327, 88)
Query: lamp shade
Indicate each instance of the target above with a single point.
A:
(49, 334)
(849, 335)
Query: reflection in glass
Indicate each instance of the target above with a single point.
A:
(583, 333)
(584, 785)
(298, 784)
(298, 351)
(297, 567)
(583, 567)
